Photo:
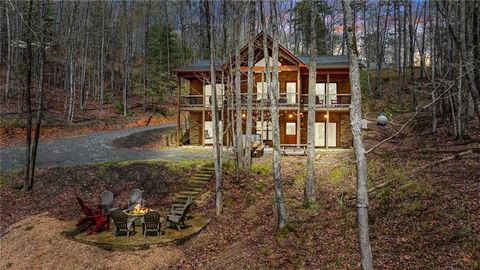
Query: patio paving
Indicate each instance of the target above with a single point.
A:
(106, 240)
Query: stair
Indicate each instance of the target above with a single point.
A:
(195, 185)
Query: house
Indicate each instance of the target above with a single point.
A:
(332, 101)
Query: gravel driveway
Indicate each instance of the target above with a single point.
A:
(96, 148)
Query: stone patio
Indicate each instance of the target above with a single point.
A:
(106, 239)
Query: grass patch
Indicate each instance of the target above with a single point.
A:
(259, 186)
(282, 233)
(12, 122)
(262, 168)
(3, 182)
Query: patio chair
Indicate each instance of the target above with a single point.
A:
(120, 219)
(136, 197)
(91, 218)
(152, 223)
(107, 202)
(178, 213)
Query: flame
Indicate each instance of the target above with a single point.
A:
(139, 210)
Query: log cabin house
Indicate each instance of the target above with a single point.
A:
(332, 101)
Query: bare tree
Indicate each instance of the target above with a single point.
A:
(28, 104)
(250, 80)
(356, 123)
(215, 120)
(274, 92)
(312, 80)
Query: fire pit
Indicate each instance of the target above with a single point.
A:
(137, 211)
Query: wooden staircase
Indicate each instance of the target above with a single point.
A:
(195, 185)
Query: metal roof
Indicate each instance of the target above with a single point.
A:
(327, 60)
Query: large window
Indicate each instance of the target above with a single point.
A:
(320, 89)
(207, 90)
(291, 92)
(330, 134)
(208, 131)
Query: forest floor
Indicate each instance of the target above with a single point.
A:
(429, 219)
(89, 121)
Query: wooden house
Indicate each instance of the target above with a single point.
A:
(332, 101)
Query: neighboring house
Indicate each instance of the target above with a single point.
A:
(332, 101)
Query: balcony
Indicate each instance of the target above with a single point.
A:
(284, 100)
(329, 101)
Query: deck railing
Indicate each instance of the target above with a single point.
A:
(285, 100)
(330, 101)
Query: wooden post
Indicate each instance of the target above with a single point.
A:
(299, 95)
(261, 106)
(327, 101)
(326, 128)
(202, 133)
(178, 109)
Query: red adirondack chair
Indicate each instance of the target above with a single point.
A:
(92, 218)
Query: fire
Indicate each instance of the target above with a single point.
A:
(139, 210)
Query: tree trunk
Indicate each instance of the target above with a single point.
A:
(238, 104)
(125, 58)
(356, 123)
(27, 184)
(38, 126)
(312, 80)
(250, 80)
(9, 54)
(215, 120)
(145, 52)
(274, 90)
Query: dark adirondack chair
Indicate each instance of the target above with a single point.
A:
(91, 218)
(136, 197)
(178, 214)
(152, 223)
(120, 219)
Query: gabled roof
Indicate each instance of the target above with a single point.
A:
(203, 65)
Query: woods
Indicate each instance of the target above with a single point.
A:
(290, 78)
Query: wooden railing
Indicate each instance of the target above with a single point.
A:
(285, 100)
(330, 101)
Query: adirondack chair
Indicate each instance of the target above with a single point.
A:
(152, 223)
(120, 219)
(178, 214)
(107, 202)
(136, 197)
(92, 218)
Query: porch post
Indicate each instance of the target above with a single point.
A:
(178, 109)
(261, 106)
(326, 128)
(202, 133)
(299, 98)
(327, 101)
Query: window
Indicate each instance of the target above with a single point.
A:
(320, 89)
(261, 90)
(266, 131)
(208, 131)
(207, 91)
(291, 128)
(291, 92)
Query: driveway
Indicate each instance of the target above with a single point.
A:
(96, 148)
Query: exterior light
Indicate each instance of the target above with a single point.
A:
(243, 115)
(326, 116)
(290, 116)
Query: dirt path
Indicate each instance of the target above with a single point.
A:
(93, 149)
